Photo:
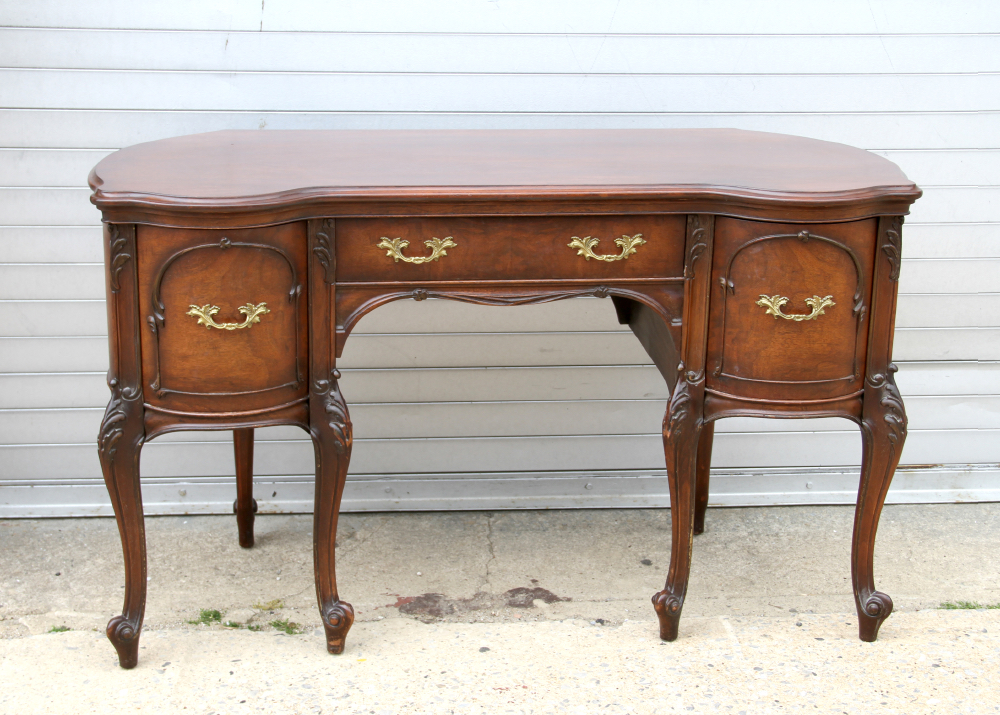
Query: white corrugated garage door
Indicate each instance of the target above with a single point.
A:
(458, 406)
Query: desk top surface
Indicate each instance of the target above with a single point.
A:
(264, 168)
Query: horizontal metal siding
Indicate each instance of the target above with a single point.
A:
(52, 127)
(460, 406)
(477, 53)
(560, 17)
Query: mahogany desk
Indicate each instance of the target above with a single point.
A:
(759, 271)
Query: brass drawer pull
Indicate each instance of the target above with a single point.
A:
(205, 315)
(394, 249)
(586, 245)
(774, 304)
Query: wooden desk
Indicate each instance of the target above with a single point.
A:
(759, 271)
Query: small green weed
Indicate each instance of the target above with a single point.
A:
(59, 629)
(207, 617)
(286, 626)
(270, 605)
(961, 605)
(232, 624)
(254, 627)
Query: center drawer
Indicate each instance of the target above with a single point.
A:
(418, 249)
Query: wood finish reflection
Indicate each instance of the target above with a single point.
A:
(717, 232)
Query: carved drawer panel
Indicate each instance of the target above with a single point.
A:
(418, 250)
(789, 309)
(224, 315)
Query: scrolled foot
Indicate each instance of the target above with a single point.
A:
(871, 614)
(668, 611)
(125, 638)
(337, 621)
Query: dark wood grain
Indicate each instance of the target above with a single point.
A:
(703, 476)
(245, 505)
(660, 339)
(122, 435)
(757, 355)
(188, 367)
(333, 436)
(512, 248)
(883, 431)
(684, 420)
(245, 177)
(293, 220)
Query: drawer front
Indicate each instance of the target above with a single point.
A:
(499, 248)
(789, 309)
(224, 315)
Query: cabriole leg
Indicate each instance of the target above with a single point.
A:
(883, 431)
(703, 469)
(119, 443)
(682, 428)
(245, 505)
(332, 438)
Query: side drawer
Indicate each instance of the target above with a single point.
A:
(224, 315)
(789, 309)
(521, 248)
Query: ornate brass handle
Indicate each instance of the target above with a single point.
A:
(629, 245)
(394, 249)
(206, 314)
(774, 304)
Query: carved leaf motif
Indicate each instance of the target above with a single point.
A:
(111, 426)
(338, 417)
(680, 416)
(698, 244)
(893, 247)
(895, 415)
(679, 411)
(118, 257)
(324, 249)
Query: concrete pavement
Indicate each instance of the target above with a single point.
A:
(559, 600)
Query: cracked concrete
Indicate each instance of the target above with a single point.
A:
(481, 579)
(752, 562)
(489, 545)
